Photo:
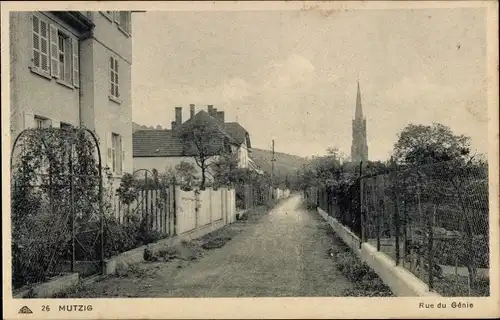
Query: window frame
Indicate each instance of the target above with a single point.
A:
(67, 64)
(125, 22)
(116, 154)
(114, 79)
(41, 122)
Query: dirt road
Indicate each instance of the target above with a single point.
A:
(283, 254)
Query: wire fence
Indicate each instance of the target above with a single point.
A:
(431, 220)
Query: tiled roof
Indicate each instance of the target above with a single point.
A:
(169, 143)
(157, 143)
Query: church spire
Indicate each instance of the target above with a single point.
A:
(359, 148)
(359, 110)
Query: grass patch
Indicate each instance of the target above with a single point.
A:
(365, 281)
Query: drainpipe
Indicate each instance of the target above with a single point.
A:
(87, 35)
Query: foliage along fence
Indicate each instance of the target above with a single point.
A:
(153, 205)
(432, 220)
(249, 196)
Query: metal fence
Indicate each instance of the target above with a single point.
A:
(431, 220)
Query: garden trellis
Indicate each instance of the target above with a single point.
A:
(57, 204)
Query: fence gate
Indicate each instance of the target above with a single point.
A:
(153, 204)
(57, 212)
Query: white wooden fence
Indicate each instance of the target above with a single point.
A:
(203, 208)
(177, 212)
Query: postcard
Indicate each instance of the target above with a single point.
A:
(220, 160)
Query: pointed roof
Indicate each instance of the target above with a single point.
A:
(240, 134)
(359, 110)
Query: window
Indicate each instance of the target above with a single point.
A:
(40, 59)
(114, 90)
(116, 153)
(108, 14)
(66, 126)
(124, 21)
(41, 122)
(64, 57)
(54, 52)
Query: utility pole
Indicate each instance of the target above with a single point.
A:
(272, 173)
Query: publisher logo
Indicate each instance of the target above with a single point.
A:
(25, 310)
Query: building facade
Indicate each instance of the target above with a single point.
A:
(359, 148)
(73, 68)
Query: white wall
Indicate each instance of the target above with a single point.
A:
(243, 156)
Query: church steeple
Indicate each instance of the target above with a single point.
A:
(359, 148)
(359, 109)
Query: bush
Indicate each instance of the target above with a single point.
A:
(121, 237)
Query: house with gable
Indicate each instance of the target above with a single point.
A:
(164, 149)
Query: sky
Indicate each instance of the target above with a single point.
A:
(291, 76)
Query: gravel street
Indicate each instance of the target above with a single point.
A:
(284, 253)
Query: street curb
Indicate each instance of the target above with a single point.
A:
(402, 282)
(50, 288)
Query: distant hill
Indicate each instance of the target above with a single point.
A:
(285, 164)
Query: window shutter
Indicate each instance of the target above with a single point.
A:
(35, 42)
(76, 66)
(54, 51)
(29, 120)
(109, 150)
(44, 46)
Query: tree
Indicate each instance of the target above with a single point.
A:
(454, 179)
(226, 171)
(204, 141)
(185, 173)
(421, 144)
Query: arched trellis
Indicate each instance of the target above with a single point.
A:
(72, 195)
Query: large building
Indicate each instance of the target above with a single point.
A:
(359, 148)
(73, 68)
(163, 149)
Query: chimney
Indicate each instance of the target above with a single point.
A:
(178, 116)
(220, 116)
(191, 110)
(210, 109)
(173, 125)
